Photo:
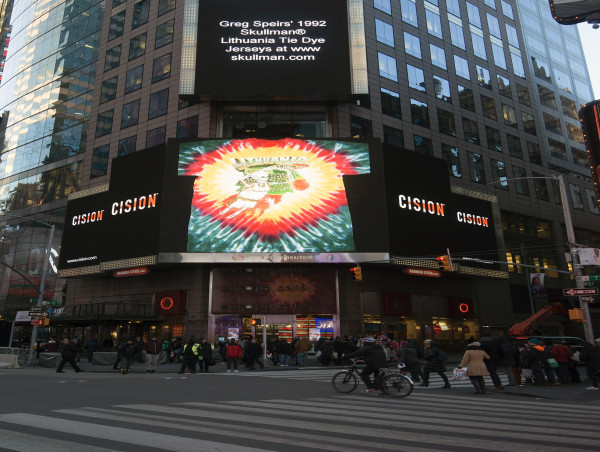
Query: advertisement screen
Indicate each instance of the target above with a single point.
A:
(265, 196)
(273, 49)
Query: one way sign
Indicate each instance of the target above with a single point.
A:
(577, 292)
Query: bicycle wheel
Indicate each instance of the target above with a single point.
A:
(344, 382)
(397, 385)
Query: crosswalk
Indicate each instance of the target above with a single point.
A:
(351, 423)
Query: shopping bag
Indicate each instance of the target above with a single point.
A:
(460, 373)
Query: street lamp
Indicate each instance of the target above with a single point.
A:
(42, 288)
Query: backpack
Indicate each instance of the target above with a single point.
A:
(442, 356)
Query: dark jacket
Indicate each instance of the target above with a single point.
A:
(373, 355)
(127, 350)
(152, 347)
(68, 351)
(433, 364)
(590, 355)
(284, 347)
(253, 350)
(507, 352)
(408, 356)
(492, 348)
(205, 350)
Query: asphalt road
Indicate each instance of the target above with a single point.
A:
(282, 409)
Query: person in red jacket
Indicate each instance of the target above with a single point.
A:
(152, 349)
(233, 355)
(560, 352)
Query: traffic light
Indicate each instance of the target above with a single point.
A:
(444, 263)
(357, 273)
(45, 321)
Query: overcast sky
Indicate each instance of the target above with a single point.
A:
(590, 39)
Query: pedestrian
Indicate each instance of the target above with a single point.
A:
(408, 356)
(536, 357)
(78, 348)
(204, 355)
(560, 352)
(506, 362)
(433, 364)
(284, 352)
(302, 347)
(152, 349)
(90, 347)
(139, 350)
(68, 352)
(473, 359)
(590, 355)
(254, 353)
(574, 354)
(525, 360)
(190, 357)
(120, 345)
(126, 355)
(326, 350)
(233, 352)
(107, 344)
(547, 355)
(338, 351)
(52, 346)
(491, 347)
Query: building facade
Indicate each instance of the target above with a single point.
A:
(474, 83)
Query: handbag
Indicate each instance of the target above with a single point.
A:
(459, 373)
(334, 355)
(552, 363)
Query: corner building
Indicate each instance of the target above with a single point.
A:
(475, 84)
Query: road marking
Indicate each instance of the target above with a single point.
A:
(25, 442)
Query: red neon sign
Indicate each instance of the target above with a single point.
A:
(463, 307)
(166, 303)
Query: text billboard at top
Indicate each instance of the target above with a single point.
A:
(273, 49)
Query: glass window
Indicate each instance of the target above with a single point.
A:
(450, 155)
(442, 89)
(575, 133)
(412, 45)
(541, 69)
(387, 67)
(592, 201)
(453, 7)
(498, 52)
(541, 188)
(116, 3)
(517, 63)
(161, 68)
(104, 123)
(117, 25)
(493, 25)
(133, 80)
(100, 161)
(580, 158)
(156, 136)
(433, 2)
(514, 146)
(483, 77)
(569, 107)
(473, 13)
(385, 32)
(127, 146)
(462, 67)
(466, 98)
(438, 56)
(130, 115)
(493, 138)
(113, 57)
(489, 107)
(158, 103)
(535, 155)
(563, 81)
(499, 177)
(523, 94)
(409, 12)
(137, 46)
(471, 130)
(490, 3)
(393, 136)
(446, 122)
(476, 170)
(520, 179)
(507, 10)
(558, 150)
(528, 123)
(359, 127)
(513, 37)
(583, 90)
(504, 86)
(434, 25)
(383, 5)
(164, 6)
(478, 46)
(420, 113)
(552, 123)
(547, 97)
(164, 33)
(109, 90)
(390, 103)
(457, 35)
(423, 145)
(510, 117)
(416, 78)
(141, 10)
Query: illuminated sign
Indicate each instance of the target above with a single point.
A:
(271, 195)
(166, 303)
(273, 49)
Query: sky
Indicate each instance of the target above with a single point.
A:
(590, 39)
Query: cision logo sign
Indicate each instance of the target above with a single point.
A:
(273, 49)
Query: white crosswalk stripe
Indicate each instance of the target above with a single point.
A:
(354, 423)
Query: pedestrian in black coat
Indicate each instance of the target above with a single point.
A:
(433, 364)
(492, 348)
(68, 351)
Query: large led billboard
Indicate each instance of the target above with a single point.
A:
(273, 49)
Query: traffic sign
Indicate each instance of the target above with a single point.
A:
(576, 292)
(590, 278)
(588, 299)
(38, 314)
(423, 272)
(36, 308)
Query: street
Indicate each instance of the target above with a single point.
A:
(280, 409)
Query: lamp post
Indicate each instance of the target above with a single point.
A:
(42, 288)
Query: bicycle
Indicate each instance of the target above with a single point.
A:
(393, 383)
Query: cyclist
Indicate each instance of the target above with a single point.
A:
(375, 359)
